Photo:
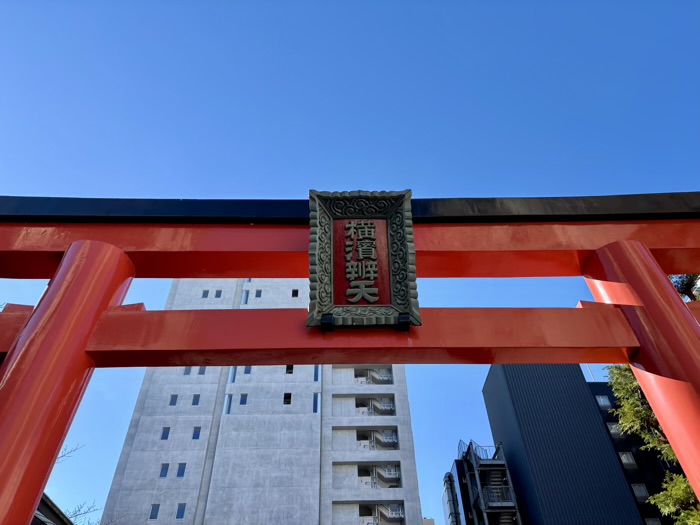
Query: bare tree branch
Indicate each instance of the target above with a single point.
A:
(81, 510)
(67, 452)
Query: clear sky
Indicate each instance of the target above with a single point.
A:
(244, 99)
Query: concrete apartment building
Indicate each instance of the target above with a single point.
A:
(249, 445)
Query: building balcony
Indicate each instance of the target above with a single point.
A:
(373, 376)
(375, 407)
(493, 497)
(391, 514)
(379, 476)
(377, 439)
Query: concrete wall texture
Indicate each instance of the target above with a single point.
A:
(293, 445)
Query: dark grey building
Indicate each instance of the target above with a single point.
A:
(564, 467)
(478, 489)
(643, 469)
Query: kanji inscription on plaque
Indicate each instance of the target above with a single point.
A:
(362, 259)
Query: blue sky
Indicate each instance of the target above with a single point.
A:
(249, 99)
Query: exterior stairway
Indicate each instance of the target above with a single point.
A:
(382, 408)
(380, 376)
(389, 474)
(386, 439)
(390, 514)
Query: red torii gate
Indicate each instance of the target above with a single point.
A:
(92, 248)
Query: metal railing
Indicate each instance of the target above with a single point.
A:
(497, 495)
(481, 453)
(393, 511)
(381, 376)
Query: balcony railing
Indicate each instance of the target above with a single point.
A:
(497, 496)
(375, 376)
(481, 453)
(376, 408)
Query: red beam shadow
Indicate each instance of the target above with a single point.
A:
(447, 250)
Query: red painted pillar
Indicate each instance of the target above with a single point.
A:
(668, 362)
(46, 371)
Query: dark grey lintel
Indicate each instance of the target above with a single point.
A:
(614, 208)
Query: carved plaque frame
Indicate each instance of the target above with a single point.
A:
(395, 208)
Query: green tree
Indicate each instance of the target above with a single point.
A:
(635, 416)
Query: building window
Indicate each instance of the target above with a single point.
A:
(196, 432)
(652, 521)
(173, 400)
(165, 433)
(316, 372)
(287, 398)
(155, 507)
(258, 294)
(217, 294)
(248, 279)
(603, 402)
(244, 399)
(316, 400)
(195, 399)
(290, 369)
(227, 403)
(247, 369)
(246, 296)
(180, 514)
(202, 370)
(614, 430)
(640, 491)
(181, 470)
(205, 294)
(232, 374)
(295, 293)
(164, 470)
(627, 460)
(188, 370)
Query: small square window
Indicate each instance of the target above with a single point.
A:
(181, 470)
(164, 470)
(603, 402)
(217, 294)
(627, 460)
(258, 294)
(640, 491)
(288, 398)
(295, 293)
(165, 433)
(247, 369)
(244, 399)
(205, 294)
(202, 370)
(290, 369)
(180, 515)
(196, 432)
(195, 399)
(188, 370)
(155, 507)
(173, 400)
(614, 430)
